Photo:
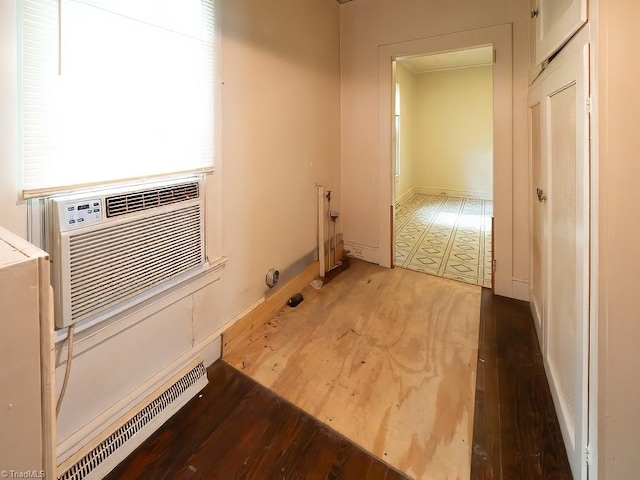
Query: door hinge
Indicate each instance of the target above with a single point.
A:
(586, 455)
(495, 55)
(588, 104)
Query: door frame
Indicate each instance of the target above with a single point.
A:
(500, 37)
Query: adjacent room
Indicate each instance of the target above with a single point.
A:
(443, 125)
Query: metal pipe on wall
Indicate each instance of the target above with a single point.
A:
(320, 189)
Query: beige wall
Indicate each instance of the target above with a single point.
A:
(404, 182)
(618, 232)
(367, 25)
(280, 136)
(13, 213)
(454, 131)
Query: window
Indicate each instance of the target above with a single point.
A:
(396, 131)
(115, 90)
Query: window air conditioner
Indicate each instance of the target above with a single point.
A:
(112, 249)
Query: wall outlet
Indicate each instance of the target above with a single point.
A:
(358, 253)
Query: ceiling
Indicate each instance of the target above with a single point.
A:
(449, 60)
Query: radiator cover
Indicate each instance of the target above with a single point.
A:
(130, 432)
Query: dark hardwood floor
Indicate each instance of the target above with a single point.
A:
(238, 429)
(516, 432)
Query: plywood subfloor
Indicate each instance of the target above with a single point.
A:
(386, 357)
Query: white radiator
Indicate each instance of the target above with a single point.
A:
(123, 437)
(112, 249)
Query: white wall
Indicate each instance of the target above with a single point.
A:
(280, 136)
(454, 131)
(368, 25)
(405, 182)
(13, 213)
(618, 229)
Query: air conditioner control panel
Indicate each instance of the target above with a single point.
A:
(81, 213)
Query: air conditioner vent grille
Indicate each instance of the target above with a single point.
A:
(117, 262)
(125, 203)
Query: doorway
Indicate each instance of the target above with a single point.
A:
(443, 164)
(500, 37)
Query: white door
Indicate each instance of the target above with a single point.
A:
(556, 22)
(560, 222)
(539, 191)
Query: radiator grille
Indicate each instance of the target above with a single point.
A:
(125, 203)
(95, 457)
(115, 263)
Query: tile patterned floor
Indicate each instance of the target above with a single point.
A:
(445, 236)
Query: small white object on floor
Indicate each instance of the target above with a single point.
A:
(317, 284)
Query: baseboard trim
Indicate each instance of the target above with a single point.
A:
(520, 289)
(238, 329)
(536, 321)
(452, 193)
(404, 198)
(363, 252)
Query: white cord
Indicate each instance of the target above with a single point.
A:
(68, 369)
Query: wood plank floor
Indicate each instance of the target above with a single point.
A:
(387, 357)
(516, 429)
(238, 429)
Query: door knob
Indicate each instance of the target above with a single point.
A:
(541, 196)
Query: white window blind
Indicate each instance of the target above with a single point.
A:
(115, 90)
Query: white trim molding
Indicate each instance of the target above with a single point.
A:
(500, 37)
(452, 193)
(363, 252)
